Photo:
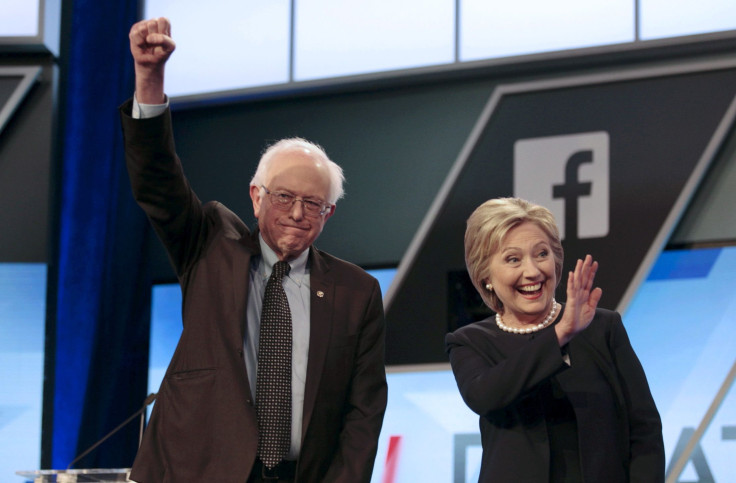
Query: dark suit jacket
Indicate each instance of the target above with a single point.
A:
(203, 426)
(500, 377)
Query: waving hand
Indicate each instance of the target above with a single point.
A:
(582, 300)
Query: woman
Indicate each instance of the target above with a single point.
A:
(560, 392)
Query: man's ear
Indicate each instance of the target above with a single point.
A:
(255, 196)
(330, 213)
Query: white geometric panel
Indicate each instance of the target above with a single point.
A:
(20, 80)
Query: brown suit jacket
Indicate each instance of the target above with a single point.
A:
(203, 426)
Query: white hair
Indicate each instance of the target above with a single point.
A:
(334, 171)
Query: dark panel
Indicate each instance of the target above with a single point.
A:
(25, 170)
(658, 130)
(395, 145)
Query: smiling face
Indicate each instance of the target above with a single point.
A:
(289, 232)
(522, 275)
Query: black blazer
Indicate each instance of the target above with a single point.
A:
(500, 375)
(203, 426)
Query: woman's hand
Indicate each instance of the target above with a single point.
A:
(582, 300)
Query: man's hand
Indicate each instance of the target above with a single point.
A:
(582, 300)
(151, 45)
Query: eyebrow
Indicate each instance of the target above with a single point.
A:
(306, 197)
(537, 245)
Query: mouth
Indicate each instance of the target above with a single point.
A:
(295, 227)
(531, 290)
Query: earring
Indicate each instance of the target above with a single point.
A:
(489, 287)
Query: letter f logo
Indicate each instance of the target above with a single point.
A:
(569, 175)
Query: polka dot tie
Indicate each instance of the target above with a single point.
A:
(273, 382)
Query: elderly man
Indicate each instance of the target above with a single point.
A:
(290, 387)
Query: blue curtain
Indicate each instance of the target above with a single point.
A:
(98, 320)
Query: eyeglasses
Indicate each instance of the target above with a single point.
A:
(284, 200)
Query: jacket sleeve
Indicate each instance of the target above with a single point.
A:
(491, 380)
(160, 187)
(646, 456)
(366, 401)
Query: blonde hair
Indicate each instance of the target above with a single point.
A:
(486, 229)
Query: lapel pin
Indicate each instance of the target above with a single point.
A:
(320, 294)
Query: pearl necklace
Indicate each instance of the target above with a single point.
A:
(547, 320)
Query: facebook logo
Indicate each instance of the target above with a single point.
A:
(569, 175)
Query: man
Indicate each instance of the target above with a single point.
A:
(205, 424)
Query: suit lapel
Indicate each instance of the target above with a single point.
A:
(241, 276)
(322, 300)
(240, 285)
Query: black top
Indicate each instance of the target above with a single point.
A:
(539, 415)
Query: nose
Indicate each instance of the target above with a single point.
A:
(297, 209)
(531, 269)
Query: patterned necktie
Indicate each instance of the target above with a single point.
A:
(273, 382)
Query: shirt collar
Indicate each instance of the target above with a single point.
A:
(298, 266)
